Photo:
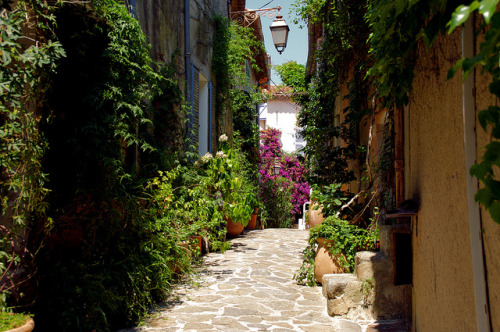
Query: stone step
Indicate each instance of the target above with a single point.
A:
(345, 297)
(371, 265)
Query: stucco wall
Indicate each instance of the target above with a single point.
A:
(443, 294)
(491, 233)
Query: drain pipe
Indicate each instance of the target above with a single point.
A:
(187, 58)
(476, 241)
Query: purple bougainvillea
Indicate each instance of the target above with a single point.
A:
(292, 171)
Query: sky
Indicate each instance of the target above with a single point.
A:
(297, 45)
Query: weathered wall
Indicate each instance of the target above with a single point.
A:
(443, 294)
(165, 35)
(491, 234)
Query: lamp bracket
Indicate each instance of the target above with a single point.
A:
(248, 17)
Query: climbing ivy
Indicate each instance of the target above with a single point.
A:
(26, 63)
(234, 47)
(343, 46)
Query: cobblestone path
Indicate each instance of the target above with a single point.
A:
(248, 288)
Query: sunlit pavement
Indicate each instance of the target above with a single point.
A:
(248, 288)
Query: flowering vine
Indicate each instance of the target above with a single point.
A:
(290, 181)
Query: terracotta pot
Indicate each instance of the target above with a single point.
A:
(233, 229)
(198, 242)
(325, 262)
(27, 327)
(252, 224)
(315, 216)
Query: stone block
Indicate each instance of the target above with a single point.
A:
(353, 292)
(335, 284)
(337, 307)
(371, 264)
(346, 326)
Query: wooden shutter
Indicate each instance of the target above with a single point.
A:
(196, 106)
(212, 136)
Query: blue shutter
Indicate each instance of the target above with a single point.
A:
(211, 114)
(131, 7)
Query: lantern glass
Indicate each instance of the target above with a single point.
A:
(277, 168)
(279, 31)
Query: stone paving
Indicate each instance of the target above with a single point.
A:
(248, 288)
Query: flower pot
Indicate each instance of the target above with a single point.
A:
(233, 229)
(198, 243)
(325, 262)
(27, 327)
(315, 216)
(252, 224)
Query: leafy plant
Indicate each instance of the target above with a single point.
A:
(367, 287)
(305, 274)
(22, 180)
(347, 239)
(9, 321)
(330, 198)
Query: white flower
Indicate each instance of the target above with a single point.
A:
(220, 154)
(223, 138)
(206, 157)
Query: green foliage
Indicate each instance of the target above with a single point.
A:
(9, 321)
(367, 287)
(346, 240)
(344, 44)
(342, 240)
(22, 86)
(330, 198)
(235, 47)
(109, 255)
(396, 27)
(228, 182)
(277, 204)
(305, 274)
(293, 75)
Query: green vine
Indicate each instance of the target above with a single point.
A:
(26, 63)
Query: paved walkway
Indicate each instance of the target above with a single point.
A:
(249, 288)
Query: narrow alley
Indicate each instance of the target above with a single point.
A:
(249, 288)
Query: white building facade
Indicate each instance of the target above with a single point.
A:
(281, 113)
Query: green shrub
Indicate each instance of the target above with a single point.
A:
(345, 240)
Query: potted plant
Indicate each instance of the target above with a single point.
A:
(16, 322)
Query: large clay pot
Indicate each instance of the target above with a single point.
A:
(233, 229)
(27, 327)
(325, 262)
(315, 216)
(252, 224)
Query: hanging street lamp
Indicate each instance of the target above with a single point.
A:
(277, 166)
(279, 28)
(279, 31)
